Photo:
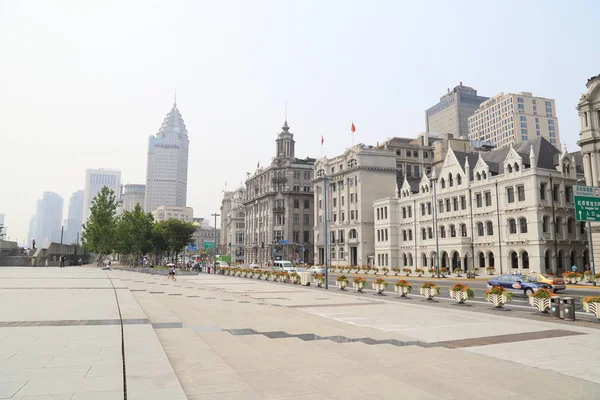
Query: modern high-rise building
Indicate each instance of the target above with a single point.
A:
(163, 213)
(452, 112)
(95, 180)
(509, 118)
(167, 169)
(48, 219)
(75, 218)
(133, 194)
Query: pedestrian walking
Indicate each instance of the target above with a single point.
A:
(46, 263)
(62, 261)
(172, 273)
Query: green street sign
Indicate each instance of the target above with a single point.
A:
(587, 203)
(209, 245)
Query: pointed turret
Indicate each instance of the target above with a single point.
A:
(285, 142)
(532, 158)
(467, 171)
(397, 193)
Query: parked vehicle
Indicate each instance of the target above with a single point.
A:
(280, 265)
(518, 284)
(557, 282)
(221, 264)
(316, 269)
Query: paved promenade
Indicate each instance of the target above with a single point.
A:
(219, 337)
(60, 338)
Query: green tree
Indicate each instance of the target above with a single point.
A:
(98, 232)
(177, 234)
(134, 234)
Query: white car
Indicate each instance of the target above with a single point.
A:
(316, 269)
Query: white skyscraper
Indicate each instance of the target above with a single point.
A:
(132, 196)
(166, 174)
(95, 180)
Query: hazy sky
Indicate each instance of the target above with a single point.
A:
(83, 84)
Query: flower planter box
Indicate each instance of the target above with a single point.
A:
(318, 282)
(458, 272)
(379, 288)
(341, 284)
(498, 300)
(459, 296)
(541, 304)
(593, 308)
(402, 290)
(597, 281)
(359, 286)
(429, 293)
(491, 271)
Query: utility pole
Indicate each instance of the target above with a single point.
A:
(325, 231)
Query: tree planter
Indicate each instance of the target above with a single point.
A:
(385, 270)
(403, 288)
(267, 275)
(542, 304)
(597, 279)
(475, 271)
(432, 272)
(295, 278)
(490, 271)
(396, 270)
(458, 272)
(592, 306)
(406, 271)
(419, 272)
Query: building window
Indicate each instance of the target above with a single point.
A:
(441, 206)
(521, 193)
(409, 212)
(478, 200)
(403, 212)
(455, 203)
(463, 203)
(488, 199)
(430, 233)
(512, 226)
(545, 223)
(404, 235)
(555, 193)
(306, 203)
(452, 231)
(463, 230)
(296, 219)
(543, 189)
(523, 225)
(341, 253)
(569, 194)
(442, 231)
(297, 203)
(489, 228)
(423, 234)
(410, 234)
(510, 194)
(480, 229)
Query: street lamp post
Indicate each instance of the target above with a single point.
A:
(435, 224)
(325, 231)
(215, 240)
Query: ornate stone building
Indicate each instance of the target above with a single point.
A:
(355, 179)
(511, 208)
(233, 215)
(279, 206)
(589, 140)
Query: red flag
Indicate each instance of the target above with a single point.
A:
(353, 128)
(322, 140)
(258, 165)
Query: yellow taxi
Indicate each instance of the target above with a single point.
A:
(557, 282)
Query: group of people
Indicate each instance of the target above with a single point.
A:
(60, 261)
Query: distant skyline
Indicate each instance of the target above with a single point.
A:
(86, 83)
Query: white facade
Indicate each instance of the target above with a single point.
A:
(233, 214)
(163, 213)
(167, 168)
(511, 208)
(279, 206)
(95, 180)
(508, 118)
(589, 140)
(355, 180)
(133, 195)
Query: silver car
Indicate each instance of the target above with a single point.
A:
(316, 269)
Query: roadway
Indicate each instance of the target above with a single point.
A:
(479, 286)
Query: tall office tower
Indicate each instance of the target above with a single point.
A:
(133, 194)
(95, 180)
(451, 114)
(48, 219)
(510, 118)
(166, 173)
(74, 218)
